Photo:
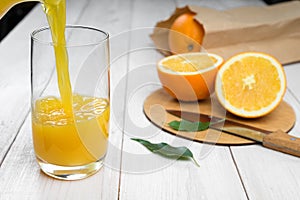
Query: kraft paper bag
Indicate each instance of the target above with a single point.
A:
(270, 29)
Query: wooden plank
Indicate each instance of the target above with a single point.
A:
(149, 176)
(115, 18)
(182, 179)
(30, 182)
(268, 174)
(292, 73)
(14, 94)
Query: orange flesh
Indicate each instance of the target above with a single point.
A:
(187, 86)
(181, 64)
(246, 87)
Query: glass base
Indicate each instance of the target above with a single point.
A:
(72, 172)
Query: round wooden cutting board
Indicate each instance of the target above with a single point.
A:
(155, 106)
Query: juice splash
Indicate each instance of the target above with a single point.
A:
(67, 139)
(56, 15)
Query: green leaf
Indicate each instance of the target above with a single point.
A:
(167, 150)
(188, 126)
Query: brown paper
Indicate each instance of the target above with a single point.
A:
(270, 29)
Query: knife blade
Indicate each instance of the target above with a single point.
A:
(277, 140)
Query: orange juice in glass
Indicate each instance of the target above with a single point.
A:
(70, 101)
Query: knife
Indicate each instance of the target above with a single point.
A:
(278, 140)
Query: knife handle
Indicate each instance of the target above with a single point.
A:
(281, 141)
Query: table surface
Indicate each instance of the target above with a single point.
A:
(130, 171)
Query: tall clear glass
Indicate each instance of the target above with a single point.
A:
(71, 143)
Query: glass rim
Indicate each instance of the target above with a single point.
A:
(51, 43)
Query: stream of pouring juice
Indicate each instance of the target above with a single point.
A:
(71, 130)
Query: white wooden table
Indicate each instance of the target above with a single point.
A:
(130, 171)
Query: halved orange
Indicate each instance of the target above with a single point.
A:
(251, 84)
(189, 76)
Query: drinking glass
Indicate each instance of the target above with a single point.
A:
(70, 101)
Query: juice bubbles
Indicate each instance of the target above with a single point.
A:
(70, 140)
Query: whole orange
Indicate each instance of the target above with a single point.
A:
(186, 34)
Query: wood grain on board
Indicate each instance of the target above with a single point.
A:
(283, 118)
